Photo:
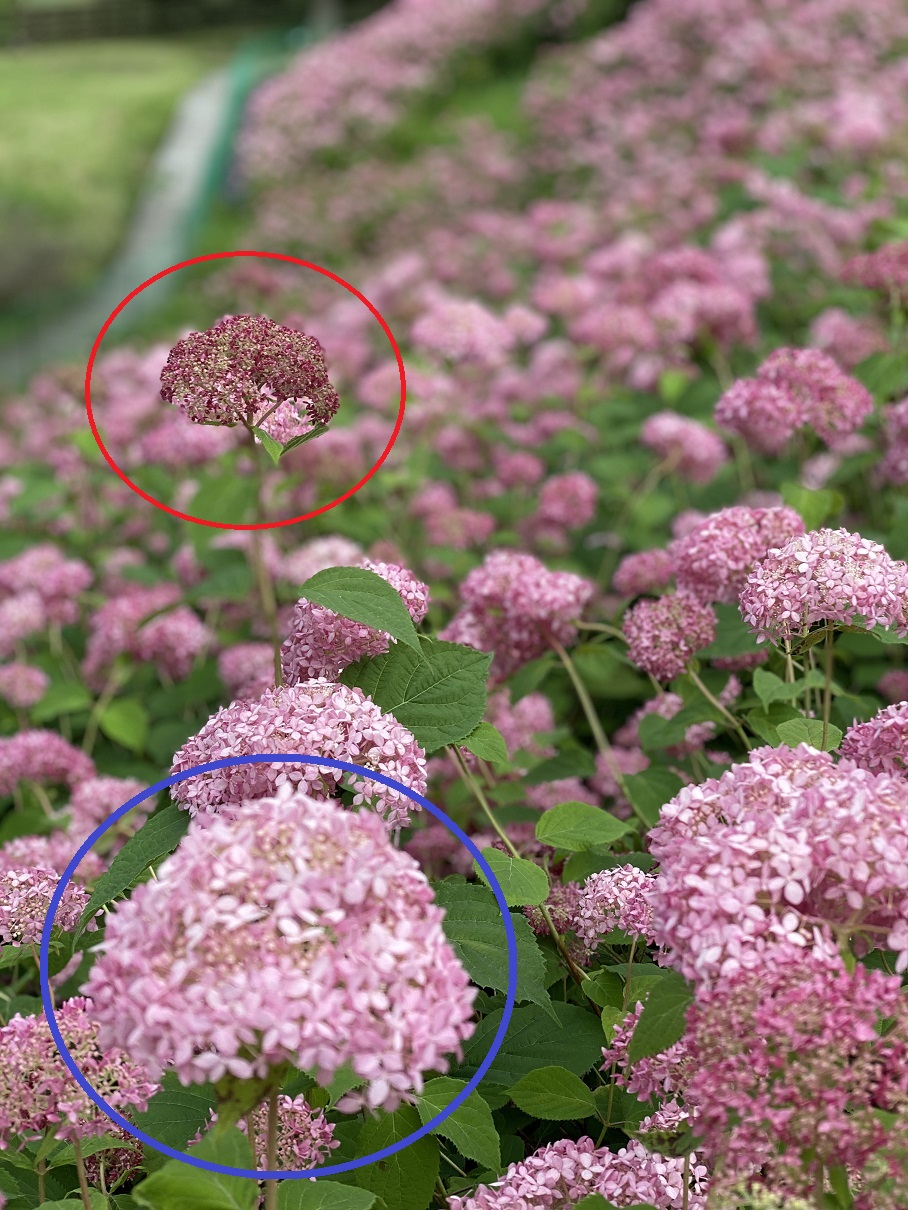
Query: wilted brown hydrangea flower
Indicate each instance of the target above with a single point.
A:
(248, 368)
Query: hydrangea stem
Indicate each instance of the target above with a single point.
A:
(40, 1170)
(83, 1179)
(727, 714)
(595, 726)
(828, 661)
(271, 1158)
(263, 579)
(478, 793)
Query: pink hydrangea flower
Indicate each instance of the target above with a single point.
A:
(567, 501)
(307, 938)
(563, 904)
(41, 756)
(322, 643)
(851, 338)
(113, 629)
(513, 605)
(644, 571)
(298, 566)
(57, 580)
(305, 1139)
(885, 270)
(788, 1059)
(893, 467)
(881, 743)
(22, 685)
(793, 388)
(172, 642)
(613, 899)
(25, 895)
(714, 559)
(21, 615)
(894, 685)
(764, 414)
(664, 635)
(695, 452)
(95, 798)
(834, 403)
(829, 576)
(782, 848)
(236, 371)
(247, 669)
(315, 718)
(51, 852)
(37, 1090)
(561, 1174)
(463, 331)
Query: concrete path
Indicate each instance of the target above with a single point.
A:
(155, 240)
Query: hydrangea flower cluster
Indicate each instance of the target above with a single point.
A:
(513, 605)
(25, 895)
(322, 643)
(563, 1173)
(885, 270)
(308, 939)
(41, 756)
(881, 743)
(644, 571)
(827, 576)
(45, 570)
(22, 685)
(693, 451)
(315, 718)
(95, 798)
(789, 847)
(37, 1090)
(238, 370)
(613, 899)
(794, 388)
(664, 635)
(563, 904)
(791, 1061)
(305, 1138)
(247, 669)
(714, 559)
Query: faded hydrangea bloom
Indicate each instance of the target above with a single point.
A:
(295, 932)
(37, 1090)
(245, 367)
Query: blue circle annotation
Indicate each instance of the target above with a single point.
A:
(280, 1174)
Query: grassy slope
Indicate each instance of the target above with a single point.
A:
(81, 123)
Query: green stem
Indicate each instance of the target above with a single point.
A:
(713, 700)
(828, 662)
(260, 570)
(595, 726)
(40, 1170)
(685, 1192)
(271, 1184)
(612, 630)
(108, 693)
(83, 1180)
(479, 794)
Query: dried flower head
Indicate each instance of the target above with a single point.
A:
(242, 368)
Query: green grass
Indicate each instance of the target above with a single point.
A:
(81, 123)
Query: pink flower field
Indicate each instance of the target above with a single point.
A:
(627, 602)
